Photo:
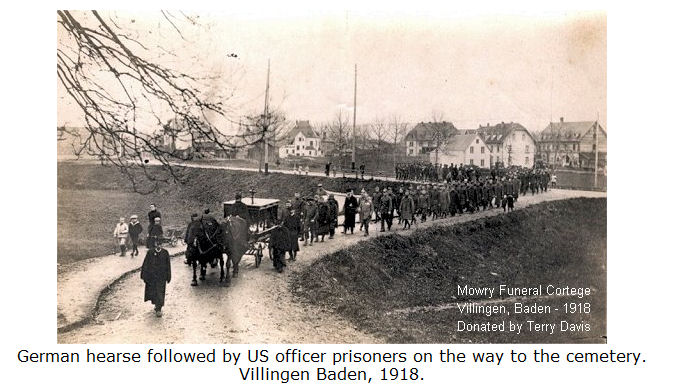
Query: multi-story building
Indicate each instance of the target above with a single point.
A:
(301, 141)
(422, 139)
(510, 143)
(572, 143)
(467, 149)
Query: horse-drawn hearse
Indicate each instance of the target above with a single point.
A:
(261, 216)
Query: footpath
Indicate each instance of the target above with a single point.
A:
(81, 286)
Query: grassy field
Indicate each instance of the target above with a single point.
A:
(562, 243)
(91, 198)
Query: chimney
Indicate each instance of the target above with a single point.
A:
(561, 119)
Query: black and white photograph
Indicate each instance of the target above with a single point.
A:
(340, 177)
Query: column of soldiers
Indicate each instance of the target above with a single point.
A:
(429, 172)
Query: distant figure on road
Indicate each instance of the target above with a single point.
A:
(155, 272)
(121, 233)
(361, 170)
(135, 230)
(328, 169)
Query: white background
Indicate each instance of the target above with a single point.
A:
(647, 218)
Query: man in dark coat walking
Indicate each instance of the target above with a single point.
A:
(155, 272)
(293, 223)
(350, 206)
(279, 243)
(333, 215)
(155, 233)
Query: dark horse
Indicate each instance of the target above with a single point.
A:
(209, 246)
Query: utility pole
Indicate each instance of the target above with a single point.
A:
(354, 125)
(596, 150)
(266, 122)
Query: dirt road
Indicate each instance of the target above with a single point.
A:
(257, 307)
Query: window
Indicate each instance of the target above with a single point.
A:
(526, 160)
(311, 143)
(411, 144)
(298, 147)
(471, 161)
(471, 149)
(411, 152)
(477, 141)
(527, 149)
(481, 163)
(594, 147)
(482, 151)
(498, 148)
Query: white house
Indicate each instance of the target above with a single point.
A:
(463, 149)
(301, 141)
(510, 143)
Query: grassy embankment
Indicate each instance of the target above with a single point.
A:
(91, 198)
(561, 243)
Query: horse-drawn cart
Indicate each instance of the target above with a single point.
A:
(263, 218)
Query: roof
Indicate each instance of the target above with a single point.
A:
(425, 130)
(495, 134)
(566, 130)
(300, 126)
(460, 142)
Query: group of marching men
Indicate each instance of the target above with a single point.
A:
(305, 219)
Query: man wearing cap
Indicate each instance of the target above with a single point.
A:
(309, 220)
(134, 230)
(350, 206)
(375, 200)
(386, 208)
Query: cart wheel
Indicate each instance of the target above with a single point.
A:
(258, 255)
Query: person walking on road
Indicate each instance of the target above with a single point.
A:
(365, 209)
(350, 207)
(121, 233)
(155, 233)
(155, 272)
(135, 230)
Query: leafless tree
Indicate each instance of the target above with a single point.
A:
(266, 130)
(339, 131)
(398, 130)
(379, 133)
(441, 132)
(117, 77)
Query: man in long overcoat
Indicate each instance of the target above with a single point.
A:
(333, 210)
(155, 272)
(293, 223)
(350, 206)
(407, 209)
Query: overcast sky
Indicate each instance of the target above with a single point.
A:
(474, 70)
